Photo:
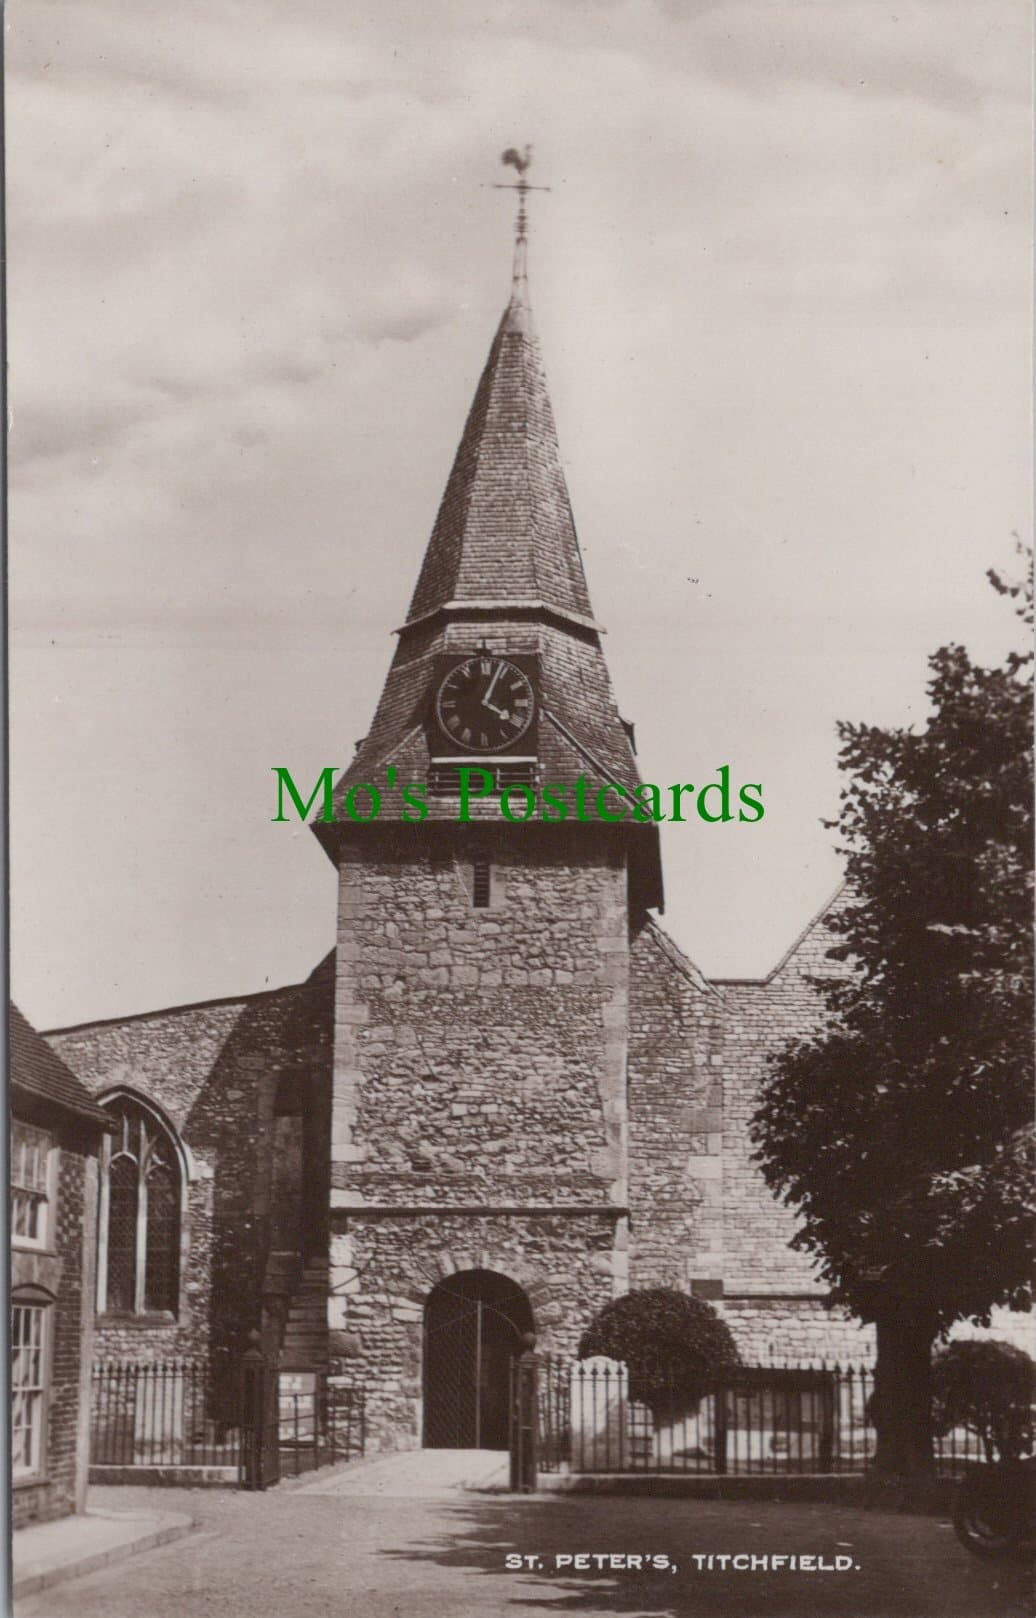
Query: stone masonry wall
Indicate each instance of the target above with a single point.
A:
(759, 1018)
(388, 1264)
(676, 1117)
(701, 1214)
(796, 1331)
(479, 1081)
(480, 1053)
(768, 1286)
(702, 1217)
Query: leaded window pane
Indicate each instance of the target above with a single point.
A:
(163, 1235)
(123, 1194)
(143, 1232)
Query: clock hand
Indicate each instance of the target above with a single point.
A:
(492, 687)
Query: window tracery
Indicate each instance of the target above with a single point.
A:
(141, 1193)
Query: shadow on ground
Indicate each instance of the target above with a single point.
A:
(903, 1566)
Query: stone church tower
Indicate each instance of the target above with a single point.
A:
(480, 1131)
(506, 1095)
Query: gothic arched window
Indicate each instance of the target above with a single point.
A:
(141, 1192)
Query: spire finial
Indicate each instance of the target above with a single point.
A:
(520, 160)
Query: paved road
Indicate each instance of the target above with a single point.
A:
(340, 1553)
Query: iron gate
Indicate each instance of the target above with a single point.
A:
(293, 1422)
(473, 1326)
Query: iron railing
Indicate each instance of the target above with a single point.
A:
(174, 1413)
(158, 1413)
(757, 1420)
(319, 1427)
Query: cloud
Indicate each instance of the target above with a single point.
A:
(216, 235)
(255, 266)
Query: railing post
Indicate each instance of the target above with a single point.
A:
(829, 1395)
(525, 1371)
(319, 1415)
(719, 1425)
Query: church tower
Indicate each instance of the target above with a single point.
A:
(479, 1138)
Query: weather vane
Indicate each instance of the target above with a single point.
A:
(519, 161)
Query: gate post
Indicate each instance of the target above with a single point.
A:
(524, 1403)
(251, 1471)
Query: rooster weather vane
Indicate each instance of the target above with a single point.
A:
(519, 161)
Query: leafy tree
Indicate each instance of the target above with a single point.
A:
(988, 1386)
(674, 1345)
(900, 1131)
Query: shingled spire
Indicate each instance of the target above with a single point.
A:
(504, 534)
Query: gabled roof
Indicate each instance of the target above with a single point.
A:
(505, 533)
(37, 1070)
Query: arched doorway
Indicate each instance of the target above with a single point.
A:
(473, 1324)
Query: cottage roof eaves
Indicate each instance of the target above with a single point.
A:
(39, 1073)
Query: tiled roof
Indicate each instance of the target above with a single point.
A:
(505, 532)
(37, 1070)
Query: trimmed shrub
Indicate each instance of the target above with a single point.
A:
(988, 1386)
(675, 1346)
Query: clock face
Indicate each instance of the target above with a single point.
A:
(485, 704)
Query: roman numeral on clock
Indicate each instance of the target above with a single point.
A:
(485, 703)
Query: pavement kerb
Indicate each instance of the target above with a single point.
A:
(170, 1526)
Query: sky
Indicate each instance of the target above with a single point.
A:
(781, 280)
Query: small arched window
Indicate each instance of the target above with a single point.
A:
(141, 1194)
